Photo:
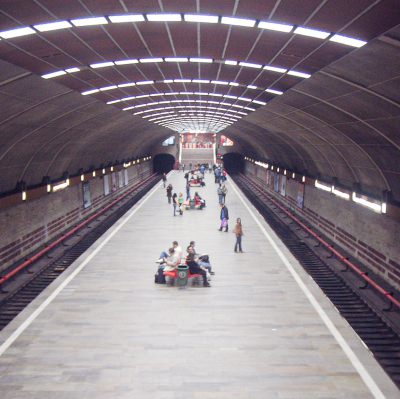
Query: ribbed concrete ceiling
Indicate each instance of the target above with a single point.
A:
(341, 122)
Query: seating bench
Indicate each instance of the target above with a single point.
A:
(174, 275)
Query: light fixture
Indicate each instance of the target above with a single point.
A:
(106, 88)
(53, 74)
(303, 179)
(203, 60)
(24, 195)
(200, 81)
(219, 82)
(293, 175)
(82, 177)
(10, 34)
(164, 17)
(238, 21)
(127, 62)
(182, 80)
(340, 193)
(275, 69)
(250, 65)
(104, 171)
(94, 173)
(275, 26)
(272, 91)
(252, 87)
(72, 70)
(233, 84)
(101, 65)
(322, 186)
(127, 84)
(116, 19)
(231, 62)
(145, 82)
(146, 60)
(212, 19)
(86, 93)
(60, 186)
(349, 41)
(53, 26)
(311, 32)
(176, 59)
(369, 204)
(48, 188)
(244, 99)
(259, 102)
(299, 74)
(89, 21)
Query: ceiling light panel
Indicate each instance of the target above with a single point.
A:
(201, 60)
(311, 33)
(164, 17)
(89, 21)
(116, 19)
(102, 65)
(72, 70)
(211, 19)
(176, 59)
(238, 21)
(299, 74)
(250, 65)
(272, 91)
(146, 60)
(348, 41)
(53, 26)
(10, 34)
(275, 26)
(127, 62)
(53, 74)
(275, 69)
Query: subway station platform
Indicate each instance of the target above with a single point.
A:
(263, 329)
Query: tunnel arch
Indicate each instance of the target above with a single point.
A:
(233, 163)
(163, 163)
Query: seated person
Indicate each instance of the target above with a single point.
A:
(171, 262)
(195, 268)
(198, 201)
(202, 260)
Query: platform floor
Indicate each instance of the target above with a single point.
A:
(263, 330)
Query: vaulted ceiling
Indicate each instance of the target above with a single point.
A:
(312, 85)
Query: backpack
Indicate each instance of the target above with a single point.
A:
(159, 277)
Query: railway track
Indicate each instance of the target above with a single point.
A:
(376, 323)
(25, 286)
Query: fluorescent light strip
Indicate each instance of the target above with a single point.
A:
(89, 21)
(211, 19)
(340, 194)
(272, 91)
(348, 41)
(371, 205)
(219, 82)
(10, 34)
(322, 186)
(53, 74)
(259, 102)
(299, 74)
(72, 70)
(145, 82)
(85, 93)
(108, 88)
(238, 21)
(231, 62)
(102, 65)
(129, 84)
(52, 26)
(146, 60)
(275, 26)
(275, 69)
(250, 65)
(176, 59)
(311, 33)
(116, 19)
(127, 62)
(164, 17)
(252, 87)
(201, 60)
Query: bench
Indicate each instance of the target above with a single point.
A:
(172, 276)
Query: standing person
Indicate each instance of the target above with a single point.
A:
(224, 216)
(224, 191)
(175, 203)
(217, 172)
(223, 175)
(183, 167)
(187, 191)
(180, 202)
(169, 192)
(220, 194)
(164, 179)
(190, 166)
(210, 168)
(239, 233)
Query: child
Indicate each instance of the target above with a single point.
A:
(238, 232)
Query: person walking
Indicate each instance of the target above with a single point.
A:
(239, 233)
(183, 167)
(169, 192)
(175, 203)
(220, 194)
(164, 179)
(187, 191)
(224, 191)
(224, 216)
(180, 202)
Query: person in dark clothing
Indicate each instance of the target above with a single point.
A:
(169, 193)
(224, 216)
(164, 179)
(194, 267)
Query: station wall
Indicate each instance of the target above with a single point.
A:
(370, 237)
(29, 225)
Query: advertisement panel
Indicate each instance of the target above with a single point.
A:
(106, 184)
(282, 185)
(300, 195)
(86, 195)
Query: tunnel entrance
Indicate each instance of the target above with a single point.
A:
(233, 163)
(163, 163)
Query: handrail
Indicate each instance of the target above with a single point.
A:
(342, 258)
(72, 231)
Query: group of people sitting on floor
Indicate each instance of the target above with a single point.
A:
(169, 262)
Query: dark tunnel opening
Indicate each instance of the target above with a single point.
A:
(163, 163)
(233, 163)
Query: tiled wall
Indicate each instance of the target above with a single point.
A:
(369, 237)
(48, 216)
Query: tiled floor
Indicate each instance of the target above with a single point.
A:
(105, 330)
